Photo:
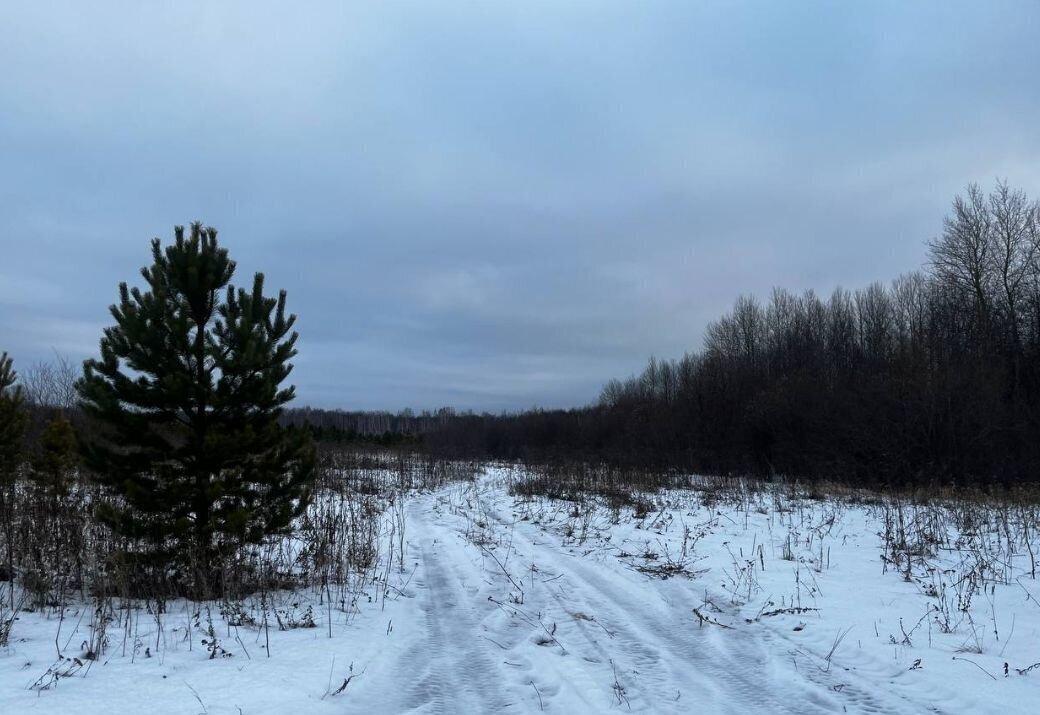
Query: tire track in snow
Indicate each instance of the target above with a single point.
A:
(861, 692)
(458, 673)
(472, 655)
(739, 661)
(663, 651)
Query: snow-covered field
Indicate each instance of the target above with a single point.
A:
(695, 600)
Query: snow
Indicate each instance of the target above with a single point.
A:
(708, 601)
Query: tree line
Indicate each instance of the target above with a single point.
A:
(376, 428)
(934, 377)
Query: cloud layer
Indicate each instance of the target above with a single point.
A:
(495, 205)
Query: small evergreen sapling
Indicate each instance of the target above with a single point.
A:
(13, 421)
(187, 393)
(56, 458)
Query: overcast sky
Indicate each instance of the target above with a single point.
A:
(495, 205)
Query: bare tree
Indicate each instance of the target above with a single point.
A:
(875, 318)
(750, 325)
(51, 384)
(910, 305)
(1013, 224)
(841, 331)
(963, 255)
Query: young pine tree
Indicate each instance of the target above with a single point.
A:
(13, 420)
(187, 393)
(56, 458)
(52, 549)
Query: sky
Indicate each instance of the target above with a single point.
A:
(494, 205)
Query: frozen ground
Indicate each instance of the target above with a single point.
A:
(692, 601)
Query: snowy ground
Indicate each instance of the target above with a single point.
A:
(759, 603)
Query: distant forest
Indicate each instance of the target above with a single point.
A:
(933, 378)
(375, 428)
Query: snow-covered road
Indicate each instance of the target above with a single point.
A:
(511, 605)
(519, 618)
(587, 634)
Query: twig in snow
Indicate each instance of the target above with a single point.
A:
(504, 571)
(346, 681)
(966, 660)
(1024, 671)
(196, 694)
(1009, 636)
(540, 706)
(1029, 596)
(494, 641)
(702, 619)
(619, 689)
(838, 638)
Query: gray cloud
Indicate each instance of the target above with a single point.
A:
(494, 206)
